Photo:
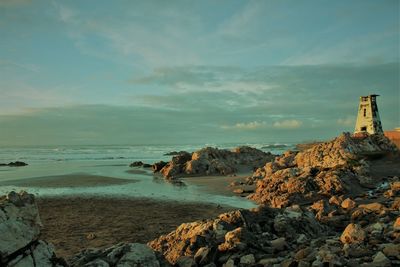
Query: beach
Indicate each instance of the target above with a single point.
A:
(73, 224)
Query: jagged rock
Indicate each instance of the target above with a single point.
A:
(214, 161)
(352, 234)
(324, 170)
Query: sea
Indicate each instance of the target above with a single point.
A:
(113, 161)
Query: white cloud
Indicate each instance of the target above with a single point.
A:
(246, 125)
(288, 124)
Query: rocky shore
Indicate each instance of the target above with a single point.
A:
(212, 161)
(324, 206)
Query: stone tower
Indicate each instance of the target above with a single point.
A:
(368, 120)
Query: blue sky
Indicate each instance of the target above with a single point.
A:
(110, 72)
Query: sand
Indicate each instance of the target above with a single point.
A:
(69, 180)
(73, 224)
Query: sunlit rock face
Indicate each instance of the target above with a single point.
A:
(326, 169)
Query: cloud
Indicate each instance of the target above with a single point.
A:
(349, 121)
(132, 37)
(23, 66)
(246, 126)
(288, 124)
(14, 3)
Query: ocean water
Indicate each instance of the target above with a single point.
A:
(111, 161)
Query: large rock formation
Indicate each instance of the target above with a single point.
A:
(19, 233)
(214, 161)
(326, 169)
(242, 236)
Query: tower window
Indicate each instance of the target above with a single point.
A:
(364, 129)
(365, 112)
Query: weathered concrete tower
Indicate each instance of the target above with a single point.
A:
(368, 120)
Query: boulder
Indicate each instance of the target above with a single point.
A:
(348, 204)
(353, 234)
(19, 233)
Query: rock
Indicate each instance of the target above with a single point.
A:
(19, 234)
(15, 164)
(396, 224)
(381, 260)
(352, 234)
(139, 255)
(186, 261)
(348, 204)
(90, 236)
(326, 169)
(136, 164)
(279, 244)
(203, 256)
(391, 250)
(19, 226)
(146, 165)
(373, 207)
(302, 253)
(335, 200)
(97, 263)
(158, 166)
(213, 161)
(395, 186)
(238, 191)
(247, 259)
(174, 153)
(229, 263)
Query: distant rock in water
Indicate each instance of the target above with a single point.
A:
(274, 146)
(136, 164)
(140, 164)
(214, 161)
(19, 234)
(325, 169)
(174, 153)
(15, 164)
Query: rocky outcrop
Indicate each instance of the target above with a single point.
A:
(15, 164)
(326, 169)
(214, 161)
(19, 233)
(241, 237)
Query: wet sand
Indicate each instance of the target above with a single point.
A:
(73, 224)
(69, 180)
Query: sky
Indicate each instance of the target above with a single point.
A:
(181, 72)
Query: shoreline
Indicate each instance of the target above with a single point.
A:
(75, 223)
